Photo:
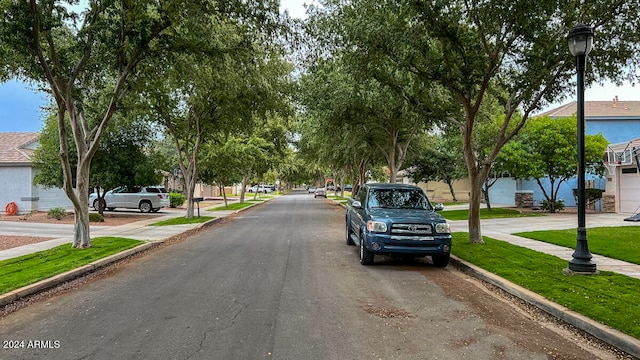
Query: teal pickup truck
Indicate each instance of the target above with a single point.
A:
(397, 219)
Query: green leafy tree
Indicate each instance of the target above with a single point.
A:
(547, 148)
(221, 164)
(125, 157)
(84, 60)
(440, 160)
(234, 80)
(471, 51)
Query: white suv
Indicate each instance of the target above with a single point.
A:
(261, 189)
(145, 198)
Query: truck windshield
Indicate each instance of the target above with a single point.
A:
(398, 199)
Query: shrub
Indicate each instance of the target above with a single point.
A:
(56, 213)
(545, 205)
(176, 199)
(95, 217)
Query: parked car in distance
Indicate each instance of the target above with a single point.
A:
(144, 198)
(311, 189)
(260, 188)
(320, 192)
(396, 219)
(347, 187)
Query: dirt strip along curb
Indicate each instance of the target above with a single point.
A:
(603, 332)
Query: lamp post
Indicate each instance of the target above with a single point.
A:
(580, 39)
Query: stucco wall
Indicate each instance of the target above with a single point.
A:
(440, 191)
(614, 130)
(15, 184)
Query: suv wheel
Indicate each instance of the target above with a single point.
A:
(96, 204)
(145, 206)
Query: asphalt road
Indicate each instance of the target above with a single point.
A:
(279, 282)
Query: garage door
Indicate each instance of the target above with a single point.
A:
(629, 190)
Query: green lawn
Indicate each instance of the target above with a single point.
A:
(495, 213)
(28, 269)
(622, 242)
(181, 220)
(234, 206)
(609, 298)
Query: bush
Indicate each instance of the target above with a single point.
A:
(545, 205)
(176, 199)
(56, 213)
(95, 217)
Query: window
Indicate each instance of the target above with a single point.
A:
(398, 199)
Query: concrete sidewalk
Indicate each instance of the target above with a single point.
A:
(138, 230)
(502, 229)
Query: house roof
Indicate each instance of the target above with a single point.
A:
(610, 109)
(16, 148)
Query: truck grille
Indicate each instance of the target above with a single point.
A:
(411, 231)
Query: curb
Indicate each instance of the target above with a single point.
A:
(603, 332)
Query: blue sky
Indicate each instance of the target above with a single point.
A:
(20, 105)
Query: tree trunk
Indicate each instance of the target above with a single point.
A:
(80, 198)
(453, 193)
(485, 193)
(224, 195)
(475, 235)
(244, 186)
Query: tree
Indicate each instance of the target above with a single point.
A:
(221, 164)
(84, 59)
(222, 87)
(125, 157)
(440, 160)
(548, 148)
(472, 50)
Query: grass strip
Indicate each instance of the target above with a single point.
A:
(496, 213)
(28, 269)
(609, 298)
(619, 242)
(234, 206)
(181, 220)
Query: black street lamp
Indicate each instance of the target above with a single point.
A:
(580, 40)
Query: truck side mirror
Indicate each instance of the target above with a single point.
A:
(357, 204)
(439, 206)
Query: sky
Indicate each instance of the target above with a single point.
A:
(20, 105)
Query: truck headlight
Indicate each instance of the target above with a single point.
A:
(376, 226)
(443, 228)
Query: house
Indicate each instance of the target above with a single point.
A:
(619, 123)
(17, 173)
(623, 178)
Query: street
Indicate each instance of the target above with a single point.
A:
(279, 282)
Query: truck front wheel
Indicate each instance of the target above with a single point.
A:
(366, 256)
(440, 260)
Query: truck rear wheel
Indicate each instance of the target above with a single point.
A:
(366, 256)
(348, 236)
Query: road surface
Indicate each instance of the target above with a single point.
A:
(279, 282)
